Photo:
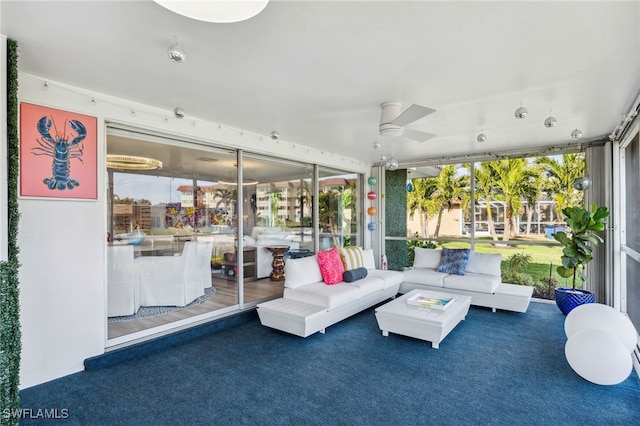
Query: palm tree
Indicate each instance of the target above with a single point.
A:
(512, 179)
(559, 180)
(419, 200)
(533, 193)
(448, 189)
(329, 207)
(486, 189)
(274, 201)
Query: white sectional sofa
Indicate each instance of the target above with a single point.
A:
(481, 280)
(309, 305)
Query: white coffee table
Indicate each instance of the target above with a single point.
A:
(429, 324)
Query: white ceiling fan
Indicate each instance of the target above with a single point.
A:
(393, 122)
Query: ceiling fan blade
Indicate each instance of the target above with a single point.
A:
(411, 114)
(417, 135)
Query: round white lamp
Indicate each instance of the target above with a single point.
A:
(596, 316)
(598, 357)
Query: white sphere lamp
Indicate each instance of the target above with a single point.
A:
(597, 316)
(598, 357)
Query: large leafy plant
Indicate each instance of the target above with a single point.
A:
(578, 247)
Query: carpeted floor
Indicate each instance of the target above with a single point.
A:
(494, 369)
(150, 311)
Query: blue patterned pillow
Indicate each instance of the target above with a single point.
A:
(454, 261)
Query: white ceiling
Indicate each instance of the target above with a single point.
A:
(317, 71)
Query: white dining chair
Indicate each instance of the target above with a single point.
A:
(123, 281)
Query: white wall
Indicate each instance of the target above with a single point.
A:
(62, 243)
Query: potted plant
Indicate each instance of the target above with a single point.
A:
(577, 252)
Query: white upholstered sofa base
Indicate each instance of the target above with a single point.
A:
(304, 319)
(508, 297)
(309, 305)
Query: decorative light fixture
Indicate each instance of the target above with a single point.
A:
(576, 133)
(245, 182)
(410, 185)
(215, 11)
(481, 137)
(392, 164)
(521, 112)
(550, 122)
(176, 54)
(582, 183)
(178, 112)
(275, 135)
(130, 162)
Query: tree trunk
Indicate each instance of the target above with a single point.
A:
(426, 225)
(490, 224)
(437, 231)
(507, 227)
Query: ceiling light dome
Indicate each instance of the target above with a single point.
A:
(521, 112)
(176, 54)
(218, 11)
(576, 133)
(550, 122)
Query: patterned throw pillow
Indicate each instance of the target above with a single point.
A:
(454, 261)
(331, 266)
(352, 257)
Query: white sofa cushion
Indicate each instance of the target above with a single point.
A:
(484, 263)
(369, 261)
(329, 296)
(427, 258)
(299, 272)
(424, 276)
(390, 278)
(480, 283)
(368, 284)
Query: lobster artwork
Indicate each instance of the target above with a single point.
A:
(61, 150)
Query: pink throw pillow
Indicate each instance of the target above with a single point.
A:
(331, 266)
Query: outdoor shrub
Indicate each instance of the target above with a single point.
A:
(517, 278)
(545, 288)
(517, 262)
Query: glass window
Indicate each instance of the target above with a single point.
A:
(516, 213)
(339, 207)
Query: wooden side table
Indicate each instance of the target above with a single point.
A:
(277, 265)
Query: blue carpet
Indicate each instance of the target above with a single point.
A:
(494, 369)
